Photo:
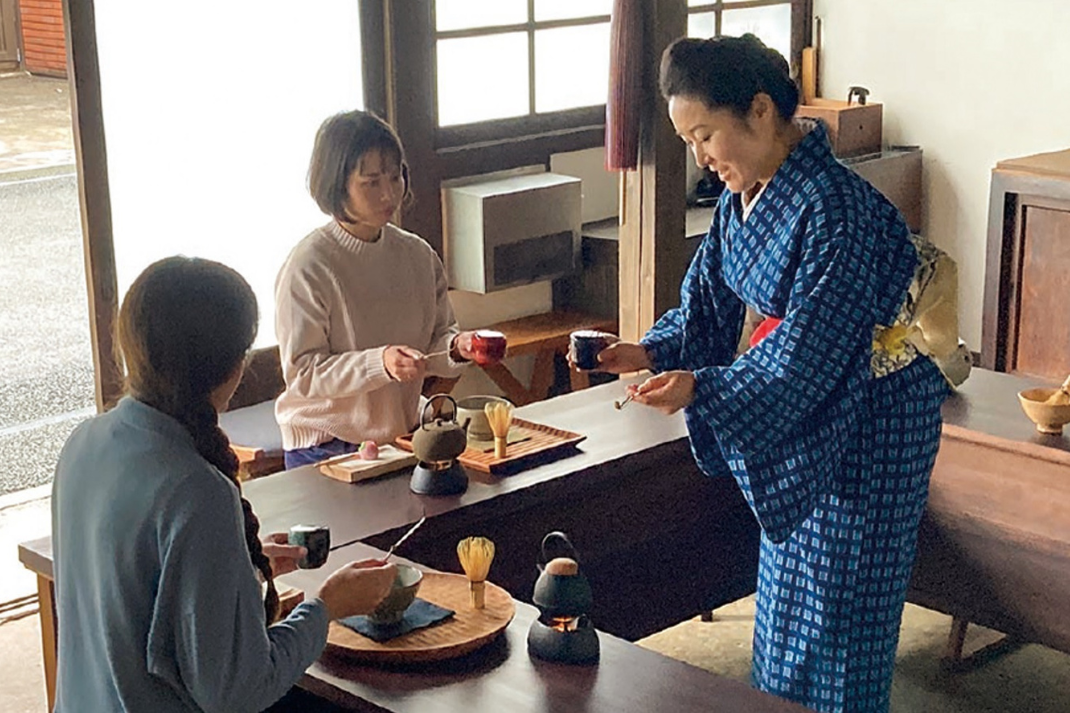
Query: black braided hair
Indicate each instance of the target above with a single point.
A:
(184, 328)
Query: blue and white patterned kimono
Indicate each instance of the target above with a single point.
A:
(834, 461)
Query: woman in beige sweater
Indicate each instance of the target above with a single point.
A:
(361, 307)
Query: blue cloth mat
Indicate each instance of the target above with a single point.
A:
(421, 613)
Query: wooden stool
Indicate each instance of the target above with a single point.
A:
(255, 438)
(543, 335)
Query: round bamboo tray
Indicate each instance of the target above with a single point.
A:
(464, 632)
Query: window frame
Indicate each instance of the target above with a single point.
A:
(532, 123)
(800, 37)
(442, 153)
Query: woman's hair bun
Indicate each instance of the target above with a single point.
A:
(764, 53)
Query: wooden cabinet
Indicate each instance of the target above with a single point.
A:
(895, 172)
(1026, 323)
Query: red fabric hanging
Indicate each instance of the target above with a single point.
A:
(625, 85)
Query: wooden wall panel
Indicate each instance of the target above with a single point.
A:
(1026, 198)
(1042, 348)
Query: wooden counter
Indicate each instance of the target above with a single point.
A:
(503, 677)
(660, 543)
(994, 545)
(648, 525)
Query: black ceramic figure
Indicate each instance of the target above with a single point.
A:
(314, 538)
(563, 632)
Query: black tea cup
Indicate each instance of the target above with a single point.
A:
(586, 345)
(314, 538)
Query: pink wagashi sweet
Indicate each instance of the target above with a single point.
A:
(368, 450)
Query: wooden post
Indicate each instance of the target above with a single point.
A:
(653, 254)
(410, 49)
(83, 71)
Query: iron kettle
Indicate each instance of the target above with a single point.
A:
(440, 439)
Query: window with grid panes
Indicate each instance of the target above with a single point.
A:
(511, 59)
(770, 20)
(513, 68)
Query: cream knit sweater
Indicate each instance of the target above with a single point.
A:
(339, 302)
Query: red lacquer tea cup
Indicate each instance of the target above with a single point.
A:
(488, 347)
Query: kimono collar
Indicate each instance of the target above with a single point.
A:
(813, 149)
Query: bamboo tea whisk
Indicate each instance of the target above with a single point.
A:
(476, 554)
(1061, 397)
(500, 417)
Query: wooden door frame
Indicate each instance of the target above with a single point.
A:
(654, 255)
(91, 159)
(10, 36)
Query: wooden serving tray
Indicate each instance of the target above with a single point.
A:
(464, 632)
(543, 440)
(351, 468)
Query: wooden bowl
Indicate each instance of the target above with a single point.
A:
(1049, 418)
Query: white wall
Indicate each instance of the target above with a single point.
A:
(970, 81)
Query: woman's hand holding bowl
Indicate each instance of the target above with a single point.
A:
(282, 555)
(357, 588)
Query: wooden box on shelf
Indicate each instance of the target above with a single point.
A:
(854, 129)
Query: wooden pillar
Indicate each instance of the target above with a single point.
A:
(410, 50)
(375, 44)
(83, 71)
(653, 253)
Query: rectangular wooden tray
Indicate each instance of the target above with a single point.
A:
(350, 468)
(544, 440)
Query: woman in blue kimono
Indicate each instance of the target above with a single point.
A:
(831, 423)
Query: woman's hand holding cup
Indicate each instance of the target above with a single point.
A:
(357, 588)
(616, 357)
(281, 554)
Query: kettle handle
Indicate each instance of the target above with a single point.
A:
(423, 414)
(559, 541)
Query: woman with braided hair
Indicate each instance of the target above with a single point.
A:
(158, 561)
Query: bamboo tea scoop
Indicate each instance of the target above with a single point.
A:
(621, 404)
(407, 535)
(432, 355)
(1061, 397)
